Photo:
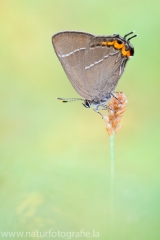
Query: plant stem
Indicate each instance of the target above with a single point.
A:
(112, 174)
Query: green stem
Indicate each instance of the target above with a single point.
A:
(112, 157)
(112, 175)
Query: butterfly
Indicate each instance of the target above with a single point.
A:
(93, 64)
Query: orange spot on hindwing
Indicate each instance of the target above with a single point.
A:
(104, 43)
(118, 45)
(124, 52)
(110, 43)
(128, 53)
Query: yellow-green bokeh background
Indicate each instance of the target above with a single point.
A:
(55, 158)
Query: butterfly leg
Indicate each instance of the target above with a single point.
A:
(107, 107)
(115, 97)
(96, 110)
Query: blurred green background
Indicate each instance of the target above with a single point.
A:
(55, 158)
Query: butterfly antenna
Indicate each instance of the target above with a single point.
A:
(64, 100)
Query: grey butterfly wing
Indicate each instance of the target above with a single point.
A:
(70, 47)
(103, 67)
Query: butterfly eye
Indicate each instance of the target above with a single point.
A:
(87, 104)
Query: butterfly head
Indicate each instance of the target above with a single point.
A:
(87, 103)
